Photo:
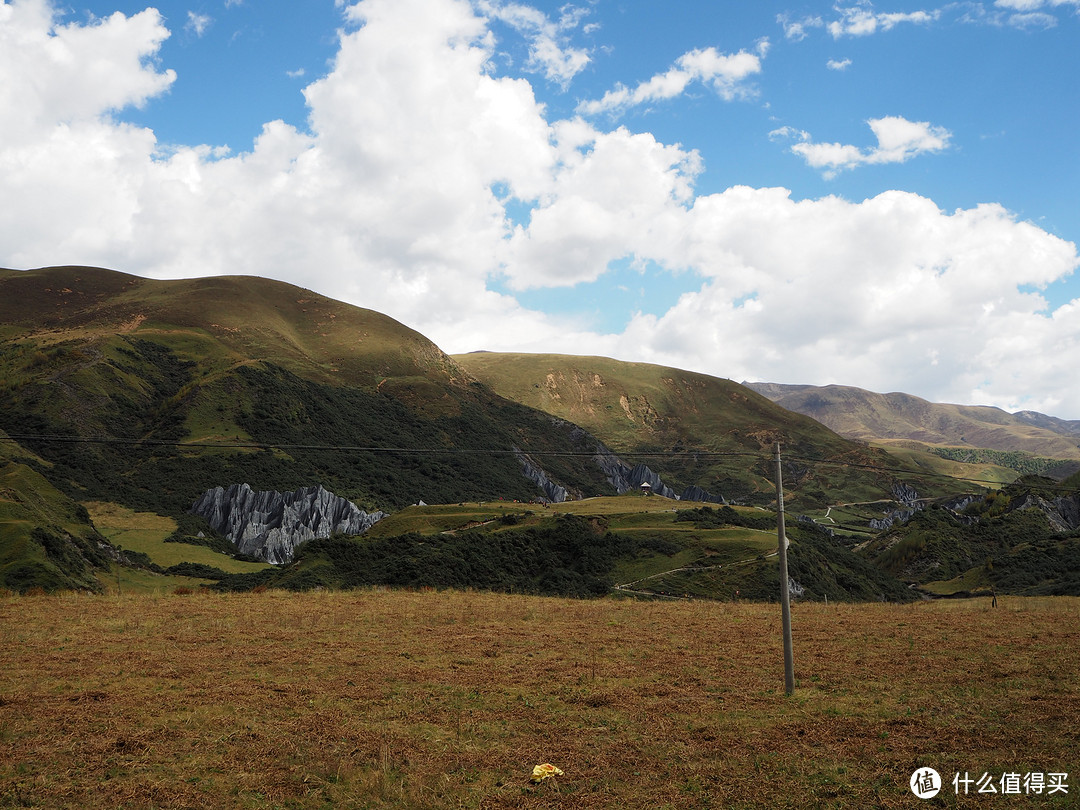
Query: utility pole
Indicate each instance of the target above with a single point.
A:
(785, 593)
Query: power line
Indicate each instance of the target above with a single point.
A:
(691, 455)
(445, 451)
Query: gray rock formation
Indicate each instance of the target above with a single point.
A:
(906, 495)
(641, 474)
(891, 519)
(696, 493)
(1063, 513)
(552, 491)
(618, 473)
(625, 478)
(270, 525)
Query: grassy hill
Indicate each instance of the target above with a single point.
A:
(639, 407)
(46, 539)
(631, 546)
(121, 383)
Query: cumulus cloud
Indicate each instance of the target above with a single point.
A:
(838, 64)
(829, 290)
(66, 74)
(898, 139)
(726, 73)
(398, 194)
(611, 195)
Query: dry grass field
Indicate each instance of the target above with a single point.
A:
(390, 699)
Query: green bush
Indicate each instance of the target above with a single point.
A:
(565, 557)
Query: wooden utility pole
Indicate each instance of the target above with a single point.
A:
(785, 592)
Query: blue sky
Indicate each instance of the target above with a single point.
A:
(870, 194)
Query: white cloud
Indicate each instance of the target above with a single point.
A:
(1035, 19)
(726, 73)
(397, 200)
(827, 291)
(1033, 5)
(789, 133)
(898, 139)
(861, 20)
(197, 23)
(1025, 14)
(51, 73)
(550, 52)
(612, 194)
(838, 64)
(797, 30)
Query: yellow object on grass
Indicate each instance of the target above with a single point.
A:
(542, 772)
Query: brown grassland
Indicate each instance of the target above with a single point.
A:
(380, 699)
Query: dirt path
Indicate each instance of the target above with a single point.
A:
(627, 587)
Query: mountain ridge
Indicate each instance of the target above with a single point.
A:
(869, 416)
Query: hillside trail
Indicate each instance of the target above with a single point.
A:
(627, 587)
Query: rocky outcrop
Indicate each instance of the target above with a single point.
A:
(906, 495)
(613, 468)
(271, 525)
(891, 519)
(1063, 512)
(552, 491)
(618, 473)
(626, 478)
(696, 493)
(641, 474)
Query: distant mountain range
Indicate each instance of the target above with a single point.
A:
(904, 419)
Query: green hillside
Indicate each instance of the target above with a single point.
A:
(46, 539)
(129, 379)
(117, 389)
(1023, 539)
(702, 430)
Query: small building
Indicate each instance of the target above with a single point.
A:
(646, 488)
